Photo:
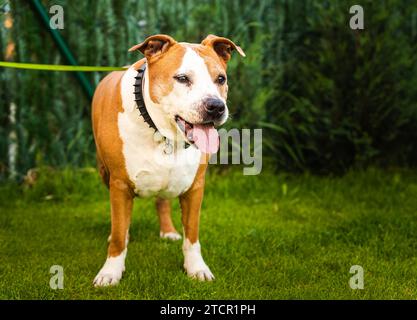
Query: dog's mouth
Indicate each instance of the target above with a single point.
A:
(203, 135)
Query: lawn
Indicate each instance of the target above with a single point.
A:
(264, 237)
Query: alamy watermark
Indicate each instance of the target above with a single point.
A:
(57, 19)
(242, 147)
(57, 279)
(357, 20)
(357, 280)
(242, 150)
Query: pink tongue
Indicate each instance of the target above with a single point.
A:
(206, 138)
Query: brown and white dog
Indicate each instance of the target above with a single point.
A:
(184, 91)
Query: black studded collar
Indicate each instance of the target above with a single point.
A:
(139, 98)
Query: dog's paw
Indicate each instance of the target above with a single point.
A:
(107, 279)
(174, 236)
(111, 273)
(194, 264)
(201, 273)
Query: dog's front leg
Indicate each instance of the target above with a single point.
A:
(190, 206)
(121, 200)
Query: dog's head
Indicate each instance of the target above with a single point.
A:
(189, 82)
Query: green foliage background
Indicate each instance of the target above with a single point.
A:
(329, 98)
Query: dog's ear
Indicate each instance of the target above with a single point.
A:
(222, 46)
(154, 45)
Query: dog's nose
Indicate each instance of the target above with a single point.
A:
(214, 107)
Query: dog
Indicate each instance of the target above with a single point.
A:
(154, 130)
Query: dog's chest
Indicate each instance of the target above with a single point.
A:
(151, 170)
(166, 175)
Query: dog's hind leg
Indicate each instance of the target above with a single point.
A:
(121, 209)
(167, 229)
(104, 172)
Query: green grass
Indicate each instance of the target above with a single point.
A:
(264, 237)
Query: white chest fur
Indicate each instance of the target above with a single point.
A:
(150, 169)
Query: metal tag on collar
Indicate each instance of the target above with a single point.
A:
(169, 146)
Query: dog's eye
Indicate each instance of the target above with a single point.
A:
(182, 78)
(221, 79)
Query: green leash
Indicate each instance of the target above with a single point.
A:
(52, 67)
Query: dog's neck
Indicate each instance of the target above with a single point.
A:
(164, 124)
